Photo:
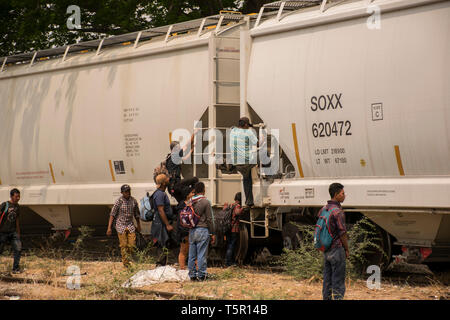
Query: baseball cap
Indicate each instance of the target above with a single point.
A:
(124, 188)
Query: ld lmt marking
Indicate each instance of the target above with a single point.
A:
(399, 161)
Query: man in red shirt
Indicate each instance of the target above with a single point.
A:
(334, 258)
(233, 235)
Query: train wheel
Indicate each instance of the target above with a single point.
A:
(242, 247)
(291, 236)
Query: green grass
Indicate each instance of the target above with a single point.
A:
(306, 262)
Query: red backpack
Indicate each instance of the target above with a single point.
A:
(188, 217)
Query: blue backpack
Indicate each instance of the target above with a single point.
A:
(322, 234)
(147, 208)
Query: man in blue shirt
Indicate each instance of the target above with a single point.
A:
(161, 226)
(243, 146)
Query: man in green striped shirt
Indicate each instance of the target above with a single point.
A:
(243, 146)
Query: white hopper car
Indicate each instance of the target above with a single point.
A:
(367, 107)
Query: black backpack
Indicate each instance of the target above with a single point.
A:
(223, 220)
(173, 173)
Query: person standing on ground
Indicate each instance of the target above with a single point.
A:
(233, 235)
(123, 211)
(183, 192)
(182, 232)
(161, 229)
(200, 235)
(9, 227)
(334, 258)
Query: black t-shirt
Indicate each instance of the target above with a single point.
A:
(8, 223)
(174, 165)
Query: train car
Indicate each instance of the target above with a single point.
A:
(359, 91)
(352, 98)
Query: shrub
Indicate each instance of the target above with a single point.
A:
(306, 262)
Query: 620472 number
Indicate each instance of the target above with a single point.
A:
(327, 129)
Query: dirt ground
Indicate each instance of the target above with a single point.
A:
(103, 279)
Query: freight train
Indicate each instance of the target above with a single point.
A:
(356, 92)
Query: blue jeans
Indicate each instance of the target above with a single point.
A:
(231, 242)
(334, 274)
(16, 245)
(198, 249)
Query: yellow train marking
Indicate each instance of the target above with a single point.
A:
(399, 161)
(297, 154)
(51, 171)
(112, 171)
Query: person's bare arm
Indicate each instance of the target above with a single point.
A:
(109, 231)
(164, 219)
(114, 212)
(191, 142)
(344, 240)
(137, 217)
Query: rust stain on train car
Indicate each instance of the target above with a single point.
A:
(112, 171)
(399, 161)
(51, 171)
(297, 154)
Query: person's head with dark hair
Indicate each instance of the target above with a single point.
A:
(174, 144)
(199, 188)
(183, 188)
(190, 192)
(244, 123)
(238, 197)
(336, 191)
(15, 195)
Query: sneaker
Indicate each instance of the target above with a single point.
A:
(16, 271)
(202, 278)
(193, 278)
(207, 277)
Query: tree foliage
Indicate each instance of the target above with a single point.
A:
(29, 25)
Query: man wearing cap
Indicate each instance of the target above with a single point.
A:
(243, 144)
(123, 211)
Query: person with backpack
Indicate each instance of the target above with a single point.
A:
(200, 233)
(9, 227)
(123, 211)
(232, 232)
(331, 237)
(183, 232)
(174, 160)
(162, 230)
(183, 192)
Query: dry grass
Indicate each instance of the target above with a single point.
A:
(102, 280)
